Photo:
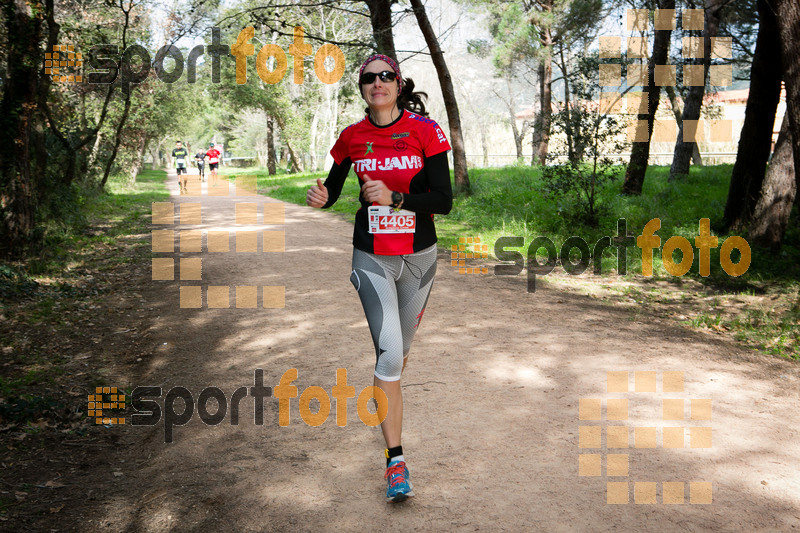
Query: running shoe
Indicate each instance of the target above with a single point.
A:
(399, 487)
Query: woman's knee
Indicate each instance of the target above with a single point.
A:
(390, 365)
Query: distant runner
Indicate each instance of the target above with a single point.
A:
(200, 161)
(213, 160)
(179, 156)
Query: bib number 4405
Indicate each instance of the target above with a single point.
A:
(383, 219)
(397, 221)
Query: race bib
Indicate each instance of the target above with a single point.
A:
(181, 161)
(212, 159)
(385, 219)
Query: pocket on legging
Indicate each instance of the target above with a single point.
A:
(355, 280)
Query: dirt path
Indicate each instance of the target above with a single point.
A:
(492, 396)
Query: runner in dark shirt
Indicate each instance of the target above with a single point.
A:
(200, 161)
(179, 157)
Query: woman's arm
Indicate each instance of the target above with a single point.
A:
(439, 199)
(335, 181)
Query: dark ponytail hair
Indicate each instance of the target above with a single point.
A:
(413, 101)
(410, 100)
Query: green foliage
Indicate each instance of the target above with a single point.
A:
(592, 137)
(15, 283)
(125, 205)
(27, 407)
(510, 201)
(479, 47)
(580, 181)
(60, 287)
(302, 112)
(517, 29)
(771, 331)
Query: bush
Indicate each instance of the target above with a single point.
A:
(593, 138)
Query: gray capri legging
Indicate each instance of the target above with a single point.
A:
(394, 291)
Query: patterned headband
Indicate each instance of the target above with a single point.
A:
(392, 63)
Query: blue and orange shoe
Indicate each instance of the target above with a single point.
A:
(399, 487)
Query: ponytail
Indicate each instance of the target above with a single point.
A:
(413, 101)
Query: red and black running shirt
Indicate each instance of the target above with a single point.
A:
(410, 156)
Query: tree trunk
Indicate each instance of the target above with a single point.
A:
(139, 159)
(517, 136)
(640, 151)
(380, 15)
(70, 149)
(295, 161)
(759, 119)
(296, 166)
(40, 122)
(334, 123)
(312, 149)
(117, 139)
(127, 91)
(513, 118)
(449, 95)
(17, 113)
(676, 110)
(484, 143)
(154, 156)
(568, 129)
(771, 213)
(98, 139)
(694, 98)
(788, 15)
(270, 146)
(545, 95)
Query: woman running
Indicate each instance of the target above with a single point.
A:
(400, 159)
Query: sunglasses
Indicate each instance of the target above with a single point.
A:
(369, 77)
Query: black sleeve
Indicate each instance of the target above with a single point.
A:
(439, 199)
(335, 181)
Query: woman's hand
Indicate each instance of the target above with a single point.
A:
(376, 191)
(317, 195)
